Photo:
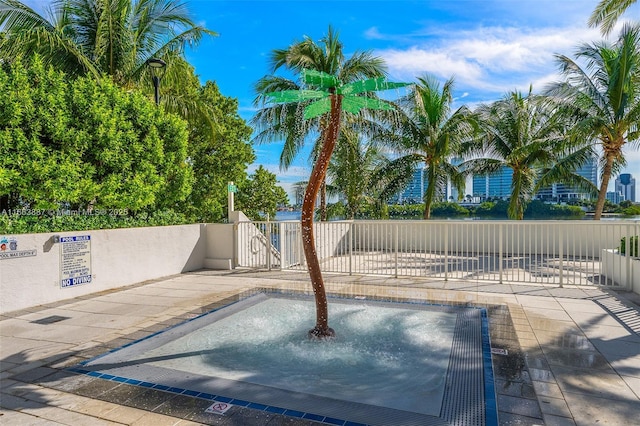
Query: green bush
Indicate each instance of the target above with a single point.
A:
(406, 211)
(633, 246)
(633, 210)
(448, 210)
(85, 143)
(62, 221)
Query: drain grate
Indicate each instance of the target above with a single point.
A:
(50, 320)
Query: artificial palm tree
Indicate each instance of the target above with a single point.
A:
(329, 98)
(607, 12)
(284, 121)
(429, 134)
(112, 38)
(526, 135)
(604, 99)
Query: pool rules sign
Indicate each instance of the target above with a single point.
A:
(75, 260)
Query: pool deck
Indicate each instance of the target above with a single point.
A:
(563, 356)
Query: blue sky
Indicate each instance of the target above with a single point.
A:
(489, 46)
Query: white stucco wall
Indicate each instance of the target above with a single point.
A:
(623, 270)
(119, 257)
(220, 246)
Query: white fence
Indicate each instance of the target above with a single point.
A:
(554, 252)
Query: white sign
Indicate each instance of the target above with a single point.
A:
(20, 253)
(75, 260)
(9, 249)
(218, 408)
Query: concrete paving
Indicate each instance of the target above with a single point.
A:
(564, 356)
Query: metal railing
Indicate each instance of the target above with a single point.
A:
(553, 252)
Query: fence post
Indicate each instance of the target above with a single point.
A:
(395, 247)
(500, 252)
(630, 251)
(302, 260)
(283, 247)
(561, 255)
(268, 245)
(632, 279)
(446, 252)
(351, 236)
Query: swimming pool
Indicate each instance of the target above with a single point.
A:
(391, 363)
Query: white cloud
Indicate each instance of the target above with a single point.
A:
(374, 34)
(292, 175)
(489, 59)
(415, 61)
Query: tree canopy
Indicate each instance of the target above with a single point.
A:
(259, 196)
(429, 133)
(216, 159)
(86, 144)
(603, 98)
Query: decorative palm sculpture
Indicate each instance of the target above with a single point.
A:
(332, 97)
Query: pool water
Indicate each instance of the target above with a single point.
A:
(404, 363)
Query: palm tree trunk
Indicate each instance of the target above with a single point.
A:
(426, 215)
(322, 329)
(429, 193)
(602, 195)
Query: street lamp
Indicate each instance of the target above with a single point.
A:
(157, 72)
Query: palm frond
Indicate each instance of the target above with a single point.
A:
(607, 12)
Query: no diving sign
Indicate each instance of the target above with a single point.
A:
(75, 260)
(218, 408)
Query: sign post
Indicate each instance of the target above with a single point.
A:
(231, 189)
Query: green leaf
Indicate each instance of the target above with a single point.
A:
(318, 108)
(370, 85)
(287, 96)
(320, 79)
(354, 104)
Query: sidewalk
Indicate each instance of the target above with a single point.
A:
(572, 353)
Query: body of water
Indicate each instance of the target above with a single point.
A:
(295, 215)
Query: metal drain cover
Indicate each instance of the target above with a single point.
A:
(50, 320)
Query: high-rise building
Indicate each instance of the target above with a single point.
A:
(626, 184)
(561, 192)
(414, 191)
(497, 185)
(615, 197)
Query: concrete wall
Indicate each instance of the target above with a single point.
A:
(220, 241)
(122, 257)
(623, 270)
(119, 257)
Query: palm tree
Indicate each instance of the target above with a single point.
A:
(525, 135)
(360, 172)
(284, 121)
(429, 133)
(298, 191)
(607, 12)
(604, 98)
(330, 97)
(112, 38)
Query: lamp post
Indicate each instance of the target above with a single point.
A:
(157, 71)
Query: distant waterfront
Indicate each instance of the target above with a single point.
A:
(295, 215)
(288, 215)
